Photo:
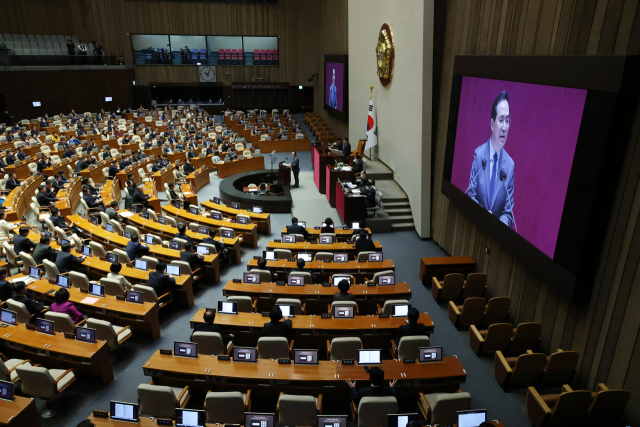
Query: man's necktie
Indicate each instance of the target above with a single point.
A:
(493, 178)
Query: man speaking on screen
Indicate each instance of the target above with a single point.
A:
(333, 93)
(491, 180)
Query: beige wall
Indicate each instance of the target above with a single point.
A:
(404, 108)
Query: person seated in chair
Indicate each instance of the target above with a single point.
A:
(358, 165)
(21, 243)
(139, 198)
(112, 210)
(90, 200)
(6, 287)
(376, 376)
(44, 251)
(86, 183)
(12, 182)
(209, 326)
(295, 228)
(412, 328)
(177, 196)
(57, 220)
(188, 167)
(344, 294)
(45, 199)
(276, 328)
(34, 307)
(21, 154)
(156, 166)
(64, 306)
(300, 263)
(114, 274)
(262, 265)
(182, 233)
(66, 261)
(161, 282)
(135, 249)
(363, 243)
(189, 255)
(327, 228)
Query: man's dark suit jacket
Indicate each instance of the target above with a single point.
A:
(211, 327)
(371, 391)
(135, 250)
(6, 290)
(365, 245)
(42, 252)
(346, 149)
(279, 329)
(31, 305)
(22, 244)
(219, 246)
(44, 199)
(12, 183)
(113, 171)
(81, 165)
(58, 185)
(183, 236)
(357, 167)
(412, 329)
(193, 259)
(57, 221)
(297, 229)
(339, 296)
(160, 282)
(66, 262)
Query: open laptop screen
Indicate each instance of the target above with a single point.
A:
(112, 258)
(190, 417)
(287, 310)
(235, 205)
(305, 357)
(369, 357)
(96, 290)
(401, 310)
(258, 420)
(86, 335)
(202, 250)
(325, 239)
(343, 312)
(121, 411)
(45, 326)
(251, 278)
(269, 255)
(245, 354)
(257, 209)
(472, 418)
(401, 420)
(150, 240)
(332, 421)
(141, 264)
(306, 256)
(387, 280)
(430, 354)
(216, 215)
(134, 296)
(8, 316)
(63, 281)
(295, 280)
(375, 257)
(225, 307)
(6, 390)
(288, 238)
(338, 279)
(216, 200)
(203, 229)
(174, 270)
(185, 349)
(340, 258)
(243, 220)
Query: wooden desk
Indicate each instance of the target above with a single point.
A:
(20, 412)
(69, 198)
(320, 162)
(22, 170)
(342, 234)
(332, 176)
(18, 201)
(208, 373)
(168, 232)
(317, 297)
(339, 247)
(55, 168)
(245, 165)
(350, 207)
(96, 173)
(162, 178)
(140, 317)
(198, 179)
(310, 331)
(122, 175)
(189, 193)
(144, 422)
(249, 232)
(262, 220)
(110, 191)
(62, 353)
(441, 266)
(360, 270)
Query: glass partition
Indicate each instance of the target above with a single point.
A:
(150, 49)
(261, 50)
(189, 49)
(225, 50)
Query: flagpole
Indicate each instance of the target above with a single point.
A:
(370, 96)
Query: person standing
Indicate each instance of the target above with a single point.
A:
(295, 168)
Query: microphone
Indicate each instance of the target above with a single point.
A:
(503, 177)
(484, 166)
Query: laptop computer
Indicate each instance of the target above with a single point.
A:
(369, 357)
(472, 418)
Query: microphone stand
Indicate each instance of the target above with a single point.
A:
(503, 177)
(484, 166)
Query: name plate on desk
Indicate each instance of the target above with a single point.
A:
(266, 314)
(257, 257)
(70, 336)
(30, 327)
(408, 360)
(166, 351)
(277, 240)
(316, 228)
(224, 357)
(383, 316)
(84, 291)
(237, 281)
(348, 362)
(326, 285)
(280, 283)
(100, 414)
(325, 316)
(284, 361)
(50, 291)
(164, 422)
(345, 228)
(371, 283)
(291, 259)
(120, 297)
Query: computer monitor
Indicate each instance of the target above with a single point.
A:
(216, 215)
(121, 411)
(203, 229)
(369, 357)
(190, 417)
(134, 296)
(65, 241)
(175, 245)
(295, 280)
(257, 209)
(34, 273)
(337, 279)
(235, 205)
(149, 240)
(332, 421)
(62, 281)
(144, 214)
(96, 289)
(401, 420)
(194, 210)
(177, 204)
(400, 310)
(109, 228)
(287, 310)
(112, 258)
(429, 354)
(127, 234)
(225, 307)
(253, 278)
(472, 418)
(306, 256)
(202, 250)
(174, 270)
(269, 255)
(86, 335)
(355, 225)
(7, 316)
(340, 257)
(216, 200)
(140, 264)
(94, 220)
(303, 224)
(86, 250)
(375, 257)
(288, 238)
(245, 354)
(185, 349)
(326, 240)
(252, 419)
(6, 390)
(387, 280)
(324, 224)
(344, 312)
(45, 326)
(243, 220)
(162, 220)
(133, 209)
(227, 233)
(305, 357)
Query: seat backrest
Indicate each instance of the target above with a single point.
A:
(11, 255)
(148, 294)
(364, 255)
(446, 406)
(265, 275)
(225, 407)
(475, 285)
(297, 305)
(297, 410)
(377, 275)
(22, 314)
(112, 287)
(27, 261)
(245, 304)
(123, 257)
(408, 346)
(305, 274)
(560, 367)
(104, 331)
(209, 343)
(61, 322)
(51, 271)
(79, 280)
(571, 407)
(528, 368)
(185, 268)
(344, 304)
(36, 381)
(387, 308)
(498, 337)
(283, 253)
(472, 311)
(373, 411)
(273, 348)
(116, 226)
(497, 310)
(608, 406)
(323, 256)
(345, 348)
(97, 249)
(157, 401)
(452, 286)
(527, 337)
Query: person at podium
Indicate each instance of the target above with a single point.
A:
(295, 168)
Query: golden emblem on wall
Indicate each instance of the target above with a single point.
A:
(385, 55)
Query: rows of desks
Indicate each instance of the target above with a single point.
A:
(237, 166)
(198, 179)
(343, 234)
(323, 269)
(341, 247)
(19, 199)
(262, 220)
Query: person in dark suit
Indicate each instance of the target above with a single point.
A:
(376, 376)
(161, 282)
(81, 165)
(209, 326)
(57, 220)
(21, 154)
(328, 228)
(344, 294)
(188, 167)
(364, 244)
(66, 262)
(176, 196)
(182, 233)
(358, 166)
(90, 200)
(57, 183)
(6, 287)
(262, 265)
(135, 249)
(12, 182)
(44, 251)
(113, 169)
(112, 211)
(139, 198)
(346, 148)
(21, 296)
(212, 241)
(295, 168)
(68, 153)
(21, 242)
(295, 228)
(412, 328)
(276, 328)
(189, 255)
(369, 194)
(156, 166)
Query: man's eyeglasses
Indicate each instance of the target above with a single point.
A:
(503, 121)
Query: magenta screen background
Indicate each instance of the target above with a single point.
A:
(328, 74)
(545, 121)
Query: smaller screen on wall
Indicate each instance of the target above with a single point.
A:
(334, 81)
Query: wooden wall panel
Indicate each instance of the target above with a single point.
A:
(605, 329)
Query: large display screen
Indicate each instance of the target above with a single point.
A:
(530, 132)
(334, 81)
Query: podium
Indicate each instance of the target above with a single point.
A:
(284, 175)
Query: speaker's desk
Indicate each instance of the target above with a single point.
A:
(320, 161)
(337, 247)
(351, 207)
(262, 220)
(324, 270)
(332, 177)
(20, 412)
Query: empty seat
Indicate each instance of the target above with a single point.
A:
(8, 368)
(449, 289)
(496, 337)
(525, 369)
(161, 401)
(211, 343)
(226, 407)
(295, 410)
(387, 308)
(44, 383)
(274, 348)
(408, 347)
(245, 303)
(442, 408)
(469, 313)
(566, 409)
(475, 285)
(298, 307)
(373, 411)
(341, 348)
(497, 311)
(112, 334)
(607, 406)
(560, 368)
